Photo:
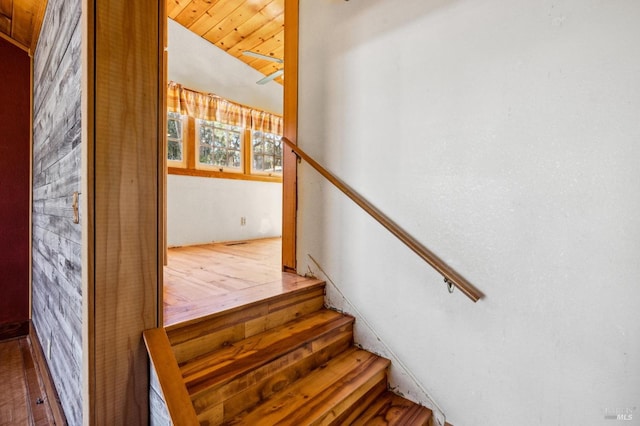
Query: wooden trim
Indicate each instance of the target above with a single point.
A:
(192, 169)
(222, 175)
(87, 206)
(246, 152)
(16, 43)
(174, 391)
(47, 382)
(290, 116)
(469, 290)
(121, 104)
(163, 257)
(190, 143)
(30, 187)
(38, 17)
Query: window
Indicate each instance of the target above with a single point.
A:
(266, 153)
(175, 146)
(202, 142)
(219, 146)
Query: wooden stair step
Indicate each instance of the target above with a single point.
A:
(323, 397)
(390, 409)
(229, 380)
(238, 358)
(202, 335)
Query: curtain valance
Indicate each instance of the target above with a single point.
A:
(207, 106)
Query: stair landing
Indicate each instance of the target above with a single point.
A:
(204, 280)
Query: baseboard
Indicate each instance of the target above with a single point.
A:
(14, 329)
(47, 382)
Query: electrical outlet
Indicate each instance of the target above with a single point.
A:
(243, 221)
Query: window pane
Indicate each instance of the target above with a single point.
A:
(206, 135)
(220, 138)
(174, 129)
(234, 141)
(268, 163)
(233, 159)
(205, 155)
(258, 162)
(220, 157)
(224, 142)
(269, 148)
(267, 152)
(174, 151)
(257, 146)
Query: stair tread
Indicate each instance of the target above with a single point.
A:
(390, 409)
(225, 364)
(321, 396)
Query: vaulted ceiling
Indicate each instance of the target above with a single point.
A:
(236, 26)
(20, 22)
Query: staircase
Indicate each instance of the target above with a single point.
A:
(281, 359)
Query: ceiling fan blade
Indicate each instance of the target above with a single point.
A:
(261, 56)
(270, 77)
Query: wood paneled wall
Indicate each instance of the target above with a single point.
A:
(124, 122)
(15, 70)
(56, 268)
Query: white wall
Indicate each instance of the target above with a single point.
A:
(505, 136)
(200, 65)
(203, 210)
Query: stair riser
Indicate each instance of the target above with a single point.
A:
(259, 384)
(193, 340)
(348, 402)
(349, 416)
(324, 395)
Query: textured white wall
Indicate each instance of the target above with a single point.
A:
(505, 136)
(199, 65)
(203, 210)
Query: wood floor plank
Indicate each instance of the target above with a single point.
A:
(14, 407)
(205, 279)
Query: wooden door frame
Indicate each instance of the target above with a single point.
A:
(290, 112)
(123, 185)
(122, 211)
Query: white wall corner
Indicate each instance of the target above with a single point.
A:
(401, 380)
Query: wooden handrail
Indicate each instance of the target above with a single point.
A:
(176, 397)
(449, 274)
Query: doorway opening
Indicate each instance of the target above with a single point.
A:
(224, 189)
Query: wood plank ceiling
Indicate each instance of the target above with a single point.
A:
(20, 22)
(236, 26)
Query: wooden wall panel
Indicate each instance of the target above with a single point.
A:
(15, 68)
(123, 165)
(289, 179)
(56, 240)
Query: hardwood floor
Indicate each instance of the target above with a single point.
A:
(24, 399)
(205, 279)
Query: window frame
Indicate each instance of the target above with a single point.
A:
(253, 171)
(214, 167)
(190, 149)
(183, 140)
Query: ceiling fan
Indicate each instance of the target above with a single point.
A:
(274, 74)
